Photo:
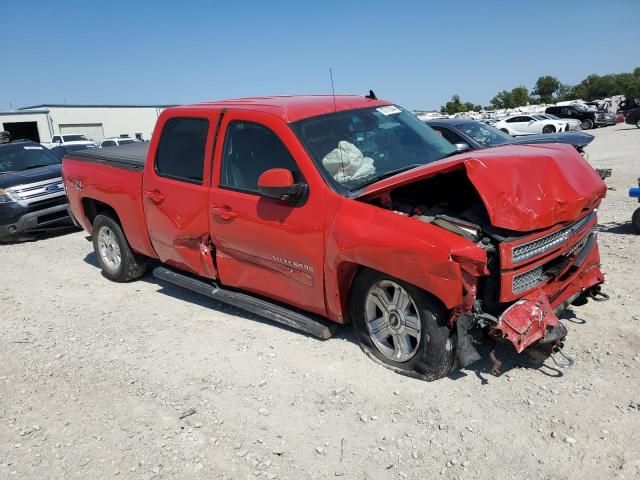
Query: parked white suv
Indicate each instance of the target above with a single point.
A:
(72, 139)
(112, 142)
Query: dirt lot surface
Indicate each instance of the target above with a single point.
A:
(94, 377)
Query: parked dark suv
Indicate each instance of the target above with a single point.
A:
(32, 197)
(589, 118)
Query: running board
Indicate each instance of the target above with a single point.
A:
(307, 323)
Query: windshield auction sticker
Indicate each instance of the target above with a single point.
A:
(389, 110)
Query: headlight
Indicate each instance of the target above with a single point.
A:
(5, 197)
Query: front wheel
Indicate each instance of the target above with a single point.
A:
(548, 129)
(587, 124)
(401, 326)
(116, 259)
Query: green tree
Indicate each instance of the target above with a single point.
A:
(545, 88)
(564, 92)
(455, 105)
(520, 96)
(517, 97)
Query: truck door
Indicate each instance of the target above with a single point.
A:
(263, 245)
(176, 189)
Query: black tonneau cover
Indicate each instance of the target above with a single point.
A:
(131, 156)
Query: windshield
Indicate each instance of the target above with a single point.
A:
(358, 147)
(485, 134)
(15, 157)
(539, 117)
(75, 138)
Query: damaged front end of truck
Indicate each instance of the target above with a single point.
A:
(530, 217)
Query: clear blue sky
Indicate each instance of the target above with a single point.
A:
(416, 53)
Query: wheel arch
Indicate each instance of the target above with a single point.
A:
(348, 271)
(91, 208)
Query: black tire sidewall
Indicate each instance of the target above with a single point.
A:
(549, 129)
(436, 351)
(635, 220)
(589, 122)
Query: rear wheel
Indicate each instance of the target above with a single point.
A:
(116, 259)
(401, 326)
(638, 122)
(587, 124)
(548, 129)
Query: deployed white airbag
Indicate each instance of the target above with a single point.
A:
(347, 163)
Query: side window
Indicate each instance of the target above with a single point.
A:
(181, 149)
(250, 149)
(514, 120)
(55, 139)
(564, 111)
(108, 143)
(450, 136)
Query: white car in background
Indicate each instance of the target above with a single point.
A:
(574, 123)
(72, 139)
(530, 125)
(112, 142)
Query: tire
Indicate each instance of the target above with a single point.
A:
(587, 124)
(635, 220)
(423, 347)
(638, 122)
(117, 261)
(548, 129)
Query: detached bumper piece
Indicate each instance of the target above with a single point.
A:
(529, 320)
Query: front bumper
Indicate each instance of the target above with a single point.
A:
(21, 220)
(533, 317)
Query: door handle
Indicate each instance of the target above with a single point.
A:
(155, 196)
(224, 212)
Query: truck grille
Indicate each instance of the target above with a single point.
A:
(37, 191)
(541, 245)
(528, 280)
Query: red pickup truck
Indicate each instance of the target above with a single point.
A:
(316, 210)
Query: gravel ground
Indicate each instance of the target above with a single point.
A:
(95, 377)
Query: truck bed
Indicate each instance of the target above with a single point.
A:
(130, 157)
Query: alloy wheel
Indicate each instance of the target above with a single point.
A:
(109, 248)
(393, 321)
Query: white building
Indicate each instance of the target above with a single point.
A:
(41, 122)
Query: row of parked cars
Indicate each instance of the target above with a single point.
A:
(64, 144)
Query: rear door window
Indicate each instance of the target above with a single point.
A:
(181, 149)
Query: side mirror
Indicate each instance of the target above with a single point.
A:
(462, 147)
(277, 183)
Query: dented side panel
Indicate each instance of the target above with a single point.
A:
(401, 246)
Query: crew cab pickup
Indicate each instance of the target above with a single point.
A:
(317, 210)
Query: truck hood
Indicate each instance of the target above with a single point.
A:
(523, 188)
(11, 179)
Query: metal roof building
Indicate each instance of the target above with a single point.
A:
(41, 122)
